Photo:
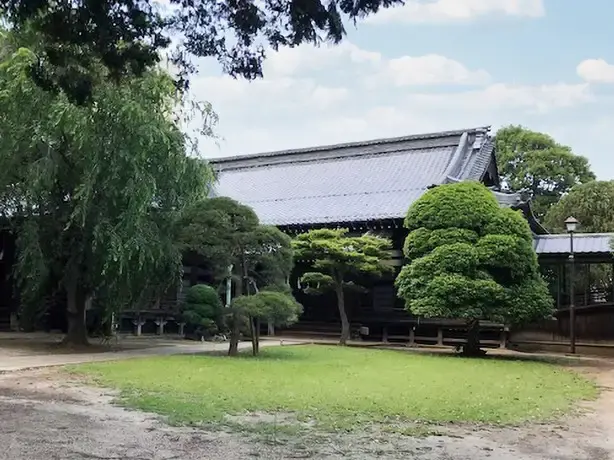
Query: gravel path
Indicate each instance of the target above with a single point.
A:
(45, 415)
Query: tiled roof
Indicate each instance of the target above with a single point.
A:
(584, 243)
(359, 181)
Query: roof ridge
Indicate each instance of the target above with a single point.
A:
(346, 145)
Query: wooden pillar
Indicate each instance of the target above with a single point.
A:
(503, 338)
(138, 323)
(559, 275)
(587, 283)
(440, 336)
(181, 328)
(160, 322)
(412, 336)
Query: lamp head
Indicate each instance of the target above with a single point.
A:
(571, 224)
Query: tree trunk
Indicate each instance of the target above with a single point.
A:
(235, 331)
(345, 324)
(233, 349)
(252, 330)
(472, 347)
(76, 306)
(257, 335)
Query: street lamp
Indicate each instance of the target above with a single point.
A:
(571, 223)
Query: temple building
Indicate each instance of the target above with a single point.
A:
(368, 187)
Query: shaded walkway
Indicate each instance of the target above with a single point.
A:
(39, 350)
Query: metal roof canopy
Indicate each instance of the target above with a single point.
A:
(588, 247)
(355, 182)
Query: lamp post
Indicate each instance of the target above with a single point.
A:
(571, 223)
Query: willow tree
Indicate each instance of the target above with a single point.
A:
(470, 259)
(93, 190)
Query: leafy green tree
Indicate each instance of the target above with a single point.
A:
(203, 311)
(127, 36)
(468, 258)
(93, 190)
(336, 260)
(229, 235)
(591, 203)
(534, 161)
(273, 306)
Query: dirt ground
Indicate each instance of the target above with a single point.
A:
(46, 415)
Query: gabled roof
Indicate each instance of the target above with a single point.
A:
(354, 182)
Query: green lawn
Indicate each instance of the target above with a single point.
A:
(341, 387)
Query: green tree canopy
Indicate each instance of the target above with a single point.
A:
(277, 307)
(534, 161)
(127, 36)
(227, 233)
(336, 259)
(591, 203)
(202, 310)
(468, 258)
(93, 190)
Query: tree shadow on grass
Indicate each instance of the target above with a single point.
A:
(559, 360)
(266, 354)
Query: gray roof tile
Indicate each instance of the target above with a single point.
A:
(351, 182)
(584, 243)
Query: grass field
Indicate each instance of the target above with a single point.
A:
(341, 388)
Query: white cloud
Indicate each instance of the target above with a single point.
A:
(314, 96)
(420, 11)
(431, 69)
(596, 71)
(539, 98)
(289, 82)
(323, 97)
(280, 92)
(292, 61)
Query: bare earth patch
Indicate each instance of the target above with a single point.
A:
(46, 414)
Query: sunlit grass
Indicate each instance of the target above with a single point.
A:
(343, 387)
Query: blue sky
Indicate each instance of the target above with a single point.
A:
(427, 66)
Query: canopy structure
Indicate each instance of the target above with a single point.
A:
(588, 247)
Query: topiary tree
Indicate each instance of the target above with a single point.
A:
(228, 235)
(202, 310)
(273, 306)
(336, 258)
(469, 258)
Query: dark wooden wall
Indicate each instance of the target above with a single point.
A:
(8, 302)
